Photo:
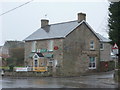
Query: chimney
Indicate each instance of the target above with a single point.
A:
(81, 16)
(44, 22)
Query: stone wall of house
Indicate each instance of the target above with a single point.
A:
(58, 57)
(57, 54)
(44, 44)
(105, 53)
(76, 51)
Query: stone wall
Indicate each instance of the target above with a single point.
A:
(43, 44)
(75, 60)
(105, 53)
(27, 74)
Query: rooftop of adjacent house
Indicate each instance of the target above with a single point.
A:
(60, 30)
(13, 44)
(102, 39)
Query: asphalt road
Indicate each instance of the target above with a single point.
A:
(100, 80)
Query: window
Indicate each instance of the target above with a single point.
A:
(34, 46)
(91, 45)
(50, 63)
(101, 46)
(50, 45)
(35, 56)
(92, 63)
(55, 63)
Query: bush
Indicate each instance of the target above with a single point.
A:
(11, 68)
(111, 65)
(10, 61)
(107, 65)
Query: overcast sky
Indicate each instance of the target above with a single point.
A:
(20, 23)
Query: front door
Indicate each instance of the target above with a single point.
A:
(35, 64)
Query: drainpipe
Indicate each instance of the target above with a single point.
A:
(99, 58)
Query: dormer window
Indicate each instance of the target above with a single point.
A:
(92, 45)
(101, 46)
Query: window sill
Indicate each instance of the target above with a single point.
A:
(92, 68)
(92, 49)
(33, 51)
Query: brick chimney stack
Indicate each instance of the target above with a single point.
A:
(44, 22)
(81, 16)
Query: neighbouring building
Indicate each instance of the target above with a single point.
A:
(71, 48)
(6, 52)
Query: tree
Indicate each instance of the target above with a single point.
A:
(114, 28)
(16, 56)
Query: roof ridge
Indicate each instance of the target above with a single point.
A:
(63, 22)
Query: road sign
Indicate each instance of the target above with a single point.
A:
(115, 49)
(115, 46)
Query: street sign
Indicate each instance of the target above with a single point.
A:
(115, 49)
(21, 69)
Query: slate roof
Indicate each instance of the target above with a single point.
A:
(59, 30)
(102, 39)
(33, 53)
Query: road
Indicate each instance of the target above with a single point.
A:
(101, 80)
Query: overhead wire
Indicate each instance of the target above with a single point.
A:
(15, 8)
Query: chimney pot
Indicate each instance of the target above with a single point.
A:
(81, 16)
(44, 22)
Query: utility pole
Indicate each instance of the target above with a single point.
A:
(115, 52)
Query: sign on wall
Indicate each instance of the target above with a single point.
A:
(21, 69)
(55, 47)
(43, 50)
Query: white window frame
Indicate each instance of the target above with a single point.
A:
(33, 48)
(35, 58)
(92, 45)
(92, 63)
(55, 63)
(102, 46)
(50, 45)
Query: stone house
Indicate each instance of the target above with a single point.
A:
(71, 48)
